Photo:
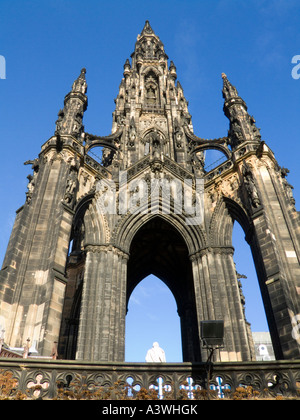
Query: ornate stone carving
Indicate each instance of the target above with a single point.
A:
(152, 139)
(31, 178)
(72, 183)
(287, 186)
(250, 186)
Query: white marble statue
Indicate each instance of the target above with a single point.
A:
(155, 354)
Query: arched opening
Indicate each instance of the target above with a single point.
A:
(152, 316)
(74, 272)
(213, 158)
(159, 249)
(102, 155)
(254, 307)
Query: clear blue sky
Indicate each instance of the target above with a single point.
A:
(46, 43)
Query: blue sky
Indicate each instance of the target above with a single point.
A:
(46, 43)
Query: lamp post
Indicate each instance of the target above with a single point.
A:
(212, 337)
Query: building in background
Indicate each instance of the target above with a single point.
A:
(263, 346)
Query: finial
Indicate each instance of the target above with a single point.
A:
(229, 91)
(127, 63)
(127, 68)
(80, 83)
(147, 28)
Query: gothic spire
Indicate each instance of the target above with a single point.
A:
(242, 125)
(148, 46)
(150, 107)
(229, 91)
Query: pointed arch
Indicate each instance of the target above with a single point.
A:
(221, 224)
(193, 236)
(147, 69)
(152, 306)
(157, 247)
(95, 222)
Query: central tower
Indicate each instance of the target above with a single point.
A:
(151, 105)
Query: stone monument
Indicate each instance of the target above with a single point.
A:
(72, 262)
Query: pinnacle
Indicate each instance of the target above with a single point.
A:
(147, 28)
(80, 83)
(229, 91)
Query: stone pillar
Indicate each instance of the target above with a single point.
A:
(101, 335)
(33, 281)
(279, 286)
(190, 337)
(276, 249)
(218, 298)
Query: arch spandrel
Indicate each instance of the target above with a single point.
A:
(129, 225)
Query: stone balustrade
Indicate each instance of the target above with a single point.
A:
(47, 378)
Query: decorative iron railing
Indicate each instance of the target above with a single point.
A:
(50, 379)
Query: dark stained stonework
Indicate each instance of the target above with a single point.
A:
(69, 270)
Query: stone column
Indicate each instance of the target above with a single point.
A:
(276, 248)
(218, 298)
(36, 261)
(101, 335)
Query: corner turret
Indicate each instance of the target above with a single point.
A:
(242, 125)
(70, 117)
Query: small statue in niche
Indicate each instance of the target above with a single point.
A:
(255, 130)
(197, 161)
(77, 127)
(287, 187)
(151, 97)
(71, 187)
(236, 133)
(156, 149)
(132, 133)
(178, 135)
(250, 186)
(59, 121)
(155, 140)
(30, 188)
(107, 157)
(31, 178)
